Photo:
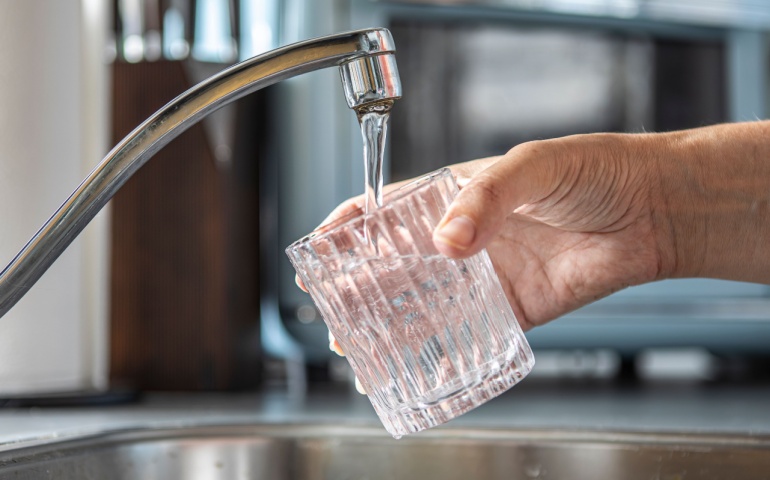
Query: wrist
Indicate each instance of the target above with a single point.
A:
(679, 225)
(711, 202)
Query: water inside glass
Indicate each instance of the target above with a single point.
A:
(429, 337)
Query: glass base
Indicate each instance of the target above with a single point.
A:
(474, 389)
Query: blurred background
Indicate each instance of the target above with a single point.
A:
(182, 283)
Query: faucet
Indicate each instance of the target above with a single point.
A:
(370, 81)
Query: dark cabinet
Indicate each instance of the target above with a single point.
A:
(184, 293)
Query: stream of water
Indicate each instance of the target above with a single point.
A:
(374, 130)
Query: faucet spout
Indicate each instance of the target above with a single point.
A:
(371, 83)
(370, 80)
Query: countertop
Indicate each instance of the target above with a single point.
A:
(672, 408)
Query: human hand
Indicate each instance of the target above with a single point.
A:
(524, 246)
(565, 221)
(571, 220)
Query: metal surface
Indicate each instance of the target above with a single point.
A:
(328, 452)
(181, 113)
(368, 80)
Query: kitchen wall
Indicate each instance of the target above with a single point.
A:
(53, 130)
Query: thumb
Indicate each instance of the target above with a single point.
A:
(519, 177)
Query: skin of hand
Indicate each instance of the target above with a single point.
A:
(568, 221)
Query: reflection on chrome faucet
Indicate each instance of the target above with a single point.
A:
(369, 75)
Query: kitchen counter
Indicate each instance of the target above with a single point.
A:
(689, 408)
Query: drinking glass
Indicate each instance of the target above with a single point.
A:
(429, 337)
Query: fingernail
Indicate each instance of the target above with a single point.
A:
(359, 387)
(458, 233)
(299, 283)
(334, 345)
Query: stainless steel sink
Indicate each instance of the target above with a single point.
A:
(283, 452)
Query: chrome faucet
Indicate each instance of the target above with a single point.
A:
(369, 77)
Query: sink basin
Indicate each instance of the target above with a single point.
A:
(302, 452)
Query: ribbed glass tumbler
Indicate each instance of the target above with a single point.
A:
(430, 338)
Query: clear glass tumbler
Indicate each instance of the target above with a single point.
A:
(429, 337)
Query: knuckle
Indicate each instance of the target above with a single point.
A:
(529, 149)
(487, 190)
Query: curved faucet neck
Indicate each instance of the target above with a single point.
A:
(369, 75)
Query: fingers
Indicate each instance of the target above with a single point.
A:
(300, 283)
(464, 172)
(349, 206)
(334, 346)
(345, 208)
(359, 387)
(353, 205)
(497, 187)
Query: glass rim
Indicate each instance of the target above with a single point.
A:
(358, 213)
